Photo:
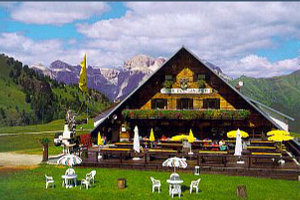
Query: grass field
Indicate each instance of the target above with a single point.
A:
(30, 184)
(30, 143)
(52, 126)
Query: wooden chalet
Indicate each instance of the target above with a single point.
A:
(183, 94)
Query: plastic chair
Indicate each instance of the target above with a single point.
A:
(49, 180)
(155, 184)
(70, 171)
(176, 190)
(86, 181)
(93, 174)
(194, 184)
(174, 176)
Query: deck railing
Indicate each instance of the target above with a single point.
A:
(209, 114)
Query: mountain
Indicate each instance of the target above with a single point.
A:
(281, 93)
(115, 83)
(28, 97)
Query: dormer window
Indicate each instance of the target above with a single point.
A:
(203, 77)
(169, 77)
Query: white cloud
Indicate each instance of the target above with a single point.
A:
(56, 12)
(257, 66)
(220, 32)
(224, 33)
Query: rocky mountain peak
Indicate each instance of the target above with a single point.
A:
(143, 63)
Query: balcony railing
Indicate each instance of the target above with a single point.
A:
(209, 114)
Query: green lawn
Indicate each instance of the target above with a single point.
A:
(30, 184)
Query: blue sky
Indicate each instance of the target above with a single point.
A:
(243, 38)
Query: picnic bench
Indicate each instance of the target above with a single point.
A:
(121, 152)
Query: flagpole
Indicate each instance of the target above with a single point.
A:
(86, 97)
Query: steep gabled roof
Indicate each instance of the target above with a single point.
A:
(198, 59)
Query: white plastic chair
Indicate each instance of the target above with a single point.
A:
(70, 171)
(49, 180)
(93, 174)
(155, 184)
(174, 176)
(176, 189)
(86, 181)
(194, 184)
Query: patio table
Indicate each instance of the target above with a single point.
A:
(68, 179)
(173, 182)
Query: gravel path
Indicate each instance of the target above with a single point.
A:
(16, 160)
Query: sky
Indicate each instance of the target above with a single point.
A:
(258, 39)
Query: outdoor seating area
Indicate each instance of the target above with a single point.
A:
(69, 179)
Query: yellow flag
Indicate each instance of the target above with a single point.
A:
(82, 76)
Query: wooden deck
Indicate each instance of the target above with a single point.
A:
(260, 164)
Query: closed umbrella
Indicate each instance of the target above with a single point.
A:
(238, 145)
(136, 140)
(99, 141)
(152, 138)
(191, 139)
(175, 162)
(69, 160)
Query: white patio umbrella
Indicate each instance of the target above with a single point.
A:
(238, 145)
(175, 162)
(136, 142)
(70, 160)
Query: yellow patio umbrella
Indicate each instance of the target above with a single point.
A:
(191, 137)
(280, 138)
(232, 134)
(179, 137)
(152, 138)
(99, 142)
(278, 132)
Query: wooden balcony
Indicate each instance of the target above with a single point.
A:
(207, 114)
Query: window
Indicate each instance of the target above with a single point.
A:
(211, 103)
(159, 104)
(184, 104)
(203, 77)
(169, 77)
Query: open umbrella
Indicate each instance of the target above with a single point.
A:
(179, 137)
(278, 132)
(280, 138)
(232, 134)
(69, 160)
(175, 162)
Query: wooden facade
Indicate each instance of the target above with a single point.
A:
(184, 72)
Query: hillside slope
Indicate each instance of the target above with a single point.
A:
(27, 97)
(281, 93)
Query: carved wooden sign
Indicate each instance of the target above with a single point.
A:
(186, 91)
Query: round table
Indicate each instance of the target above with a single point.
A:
(173, 182)
(67, 180)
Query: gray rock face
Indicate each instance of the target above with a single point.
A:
(115, 83)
